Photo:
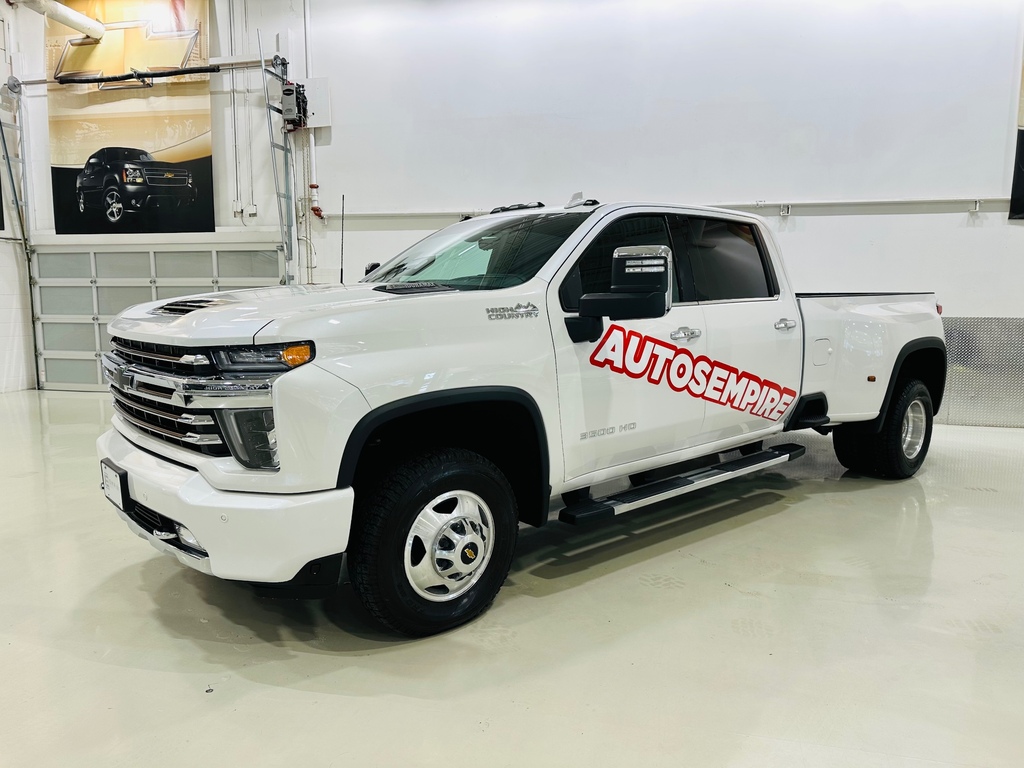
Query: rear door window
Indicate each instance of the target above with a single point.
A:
(726, 258)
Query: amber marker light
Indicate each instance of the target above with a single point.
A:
(297, 354)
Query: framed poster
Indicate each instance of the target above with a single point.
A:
(135, 154)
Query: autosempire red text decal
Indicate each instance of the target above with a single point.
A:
(645, 357)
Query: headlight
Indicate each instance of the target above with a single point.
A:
(132, 175)
(251, 436)
(265, 357)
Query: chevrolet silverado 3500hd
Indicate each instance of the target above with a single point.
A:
(498, 371)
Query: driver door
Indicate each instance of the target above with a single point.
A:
(615, 395)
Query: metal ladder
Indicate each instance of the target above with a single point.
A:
(281, 154)
(16, 182)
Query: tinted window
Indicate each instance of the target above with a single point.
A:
(593, 271)
(725, 258)
(124, 155)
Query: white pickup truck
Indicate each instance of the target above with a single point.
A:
(534, 361)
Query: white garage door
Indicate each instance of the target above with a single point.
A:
(77, 292)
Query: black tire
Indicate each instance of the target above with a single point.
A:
(894, 457)
(854, 448)
(900, 448)
(113, 205)
(394, 576)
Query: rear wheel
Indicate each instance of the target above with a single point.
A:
(898, 450)
(433, 544)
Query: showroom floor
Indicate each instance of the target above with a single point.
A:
(794, 618)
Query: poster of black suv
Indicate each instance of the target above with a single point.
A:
(125, 189)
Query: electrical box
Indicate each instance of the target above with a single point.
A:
(293, 105)
(318, 97)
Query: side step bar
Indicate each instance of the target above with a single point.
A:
(651, 493)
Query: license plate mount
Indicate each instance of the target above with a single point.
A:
(115, 483)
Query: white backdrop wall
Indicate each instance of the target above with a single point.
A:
(445, 103)
(457, 105)
(15, 316)
(462, 105)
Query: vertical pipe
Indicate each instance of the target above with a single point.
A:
(248, 115)
(313, 190)
(236, 203)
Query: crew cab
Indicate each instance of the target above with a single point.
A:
(533, 363)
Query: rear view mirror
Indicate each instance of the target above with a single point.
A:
(641, 285)
(371, 266)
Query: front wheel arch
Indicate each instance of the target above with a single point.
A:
(503, 424)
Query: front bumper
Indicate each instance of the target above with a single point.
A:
(139, 196)
(248, 536)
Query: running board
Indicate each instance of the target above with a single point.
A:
(662, 490)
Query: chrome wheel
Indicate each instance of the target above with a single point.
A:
(915, 423)
(448, 546)
(112, 204)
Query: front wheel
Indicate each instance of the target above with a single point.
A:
(433, 544)
(113, 207)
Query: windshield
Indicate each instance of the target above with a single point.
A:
(128, 155)
(482, 254)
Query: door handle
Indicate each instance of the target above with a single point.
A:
(685, 333)
(785, 324)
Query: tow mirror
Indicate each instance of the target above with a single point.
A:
(641, 285)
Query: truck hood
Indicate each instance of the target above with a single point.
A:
(234, 317)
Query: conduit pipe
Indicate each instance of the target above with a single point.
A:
(314, 187)
(61, 13)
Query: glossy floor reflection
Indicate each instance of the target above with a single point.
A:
(794, 618)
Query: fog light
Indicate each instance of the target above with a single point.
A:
(188, 538)
(251, 436)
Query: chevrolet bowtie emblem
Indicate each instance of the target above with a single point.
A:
(168, 175)
(126, 46)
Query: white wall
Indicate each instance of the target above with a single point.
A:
(16, 370)
(451, 105)
(461, 106)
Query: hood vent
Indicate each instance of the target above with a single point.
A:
(412, 287)
(184, 306)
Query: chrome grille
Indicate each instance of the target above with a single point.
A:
(170, 178)
(189, 428)
(166, 358)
